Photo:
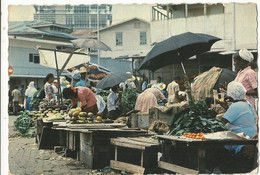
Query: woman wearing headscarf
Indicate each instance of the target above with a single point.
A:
(240, 117)
(48, 89)
(30, 91)
(84, 95)
(246, 74)
(75, 77)
(148, 99)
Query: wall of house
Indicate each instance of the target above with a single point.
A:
(25, 71)
(219, 25)
(122, 12)
(131, 39)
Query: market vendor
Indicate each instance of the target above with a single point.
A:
(173, 89)
(48, 89)
(148, 99)
(161, 86)
(101, 104)
(240, 117)
(84, 95)
(113, 102)
(83, 73)
(246, 74)
(129, 83)
(75, 78)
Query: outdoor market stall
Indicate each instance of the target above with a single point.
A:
(190, 156)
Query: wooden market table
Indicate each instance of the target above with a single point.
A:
(135, 154)
(191, 156)
(89, 143)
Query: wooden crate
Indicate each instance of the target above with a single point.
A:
(135, 155)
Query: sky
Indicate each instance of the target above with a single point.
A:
(20, 13)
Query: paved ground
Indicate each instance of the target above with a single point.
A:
(25, 158)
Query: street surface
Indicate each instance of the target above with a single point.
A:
(26, 159)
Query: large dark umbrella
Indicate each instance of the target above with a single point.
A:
(176, 49)
(225, 76)
(112, 80)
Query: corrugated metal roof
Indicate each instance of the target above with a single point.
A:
(25, 28)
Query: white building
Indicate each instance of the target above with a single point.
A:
(234, 23)
(128, 37)
(24, 37)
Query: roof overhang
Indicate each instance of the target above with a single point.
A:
(40, 40)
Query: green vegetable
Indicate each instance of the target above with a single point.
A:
(195, 118)
(128, 100)
(35, 101)
(24, 125)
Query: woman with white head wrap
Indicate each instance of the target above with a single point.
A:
(75, 77)
(246, 75)
(240, 116)
(30, 91)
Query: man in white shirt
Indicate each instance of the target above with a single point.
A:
(113, 102)
(173, 90)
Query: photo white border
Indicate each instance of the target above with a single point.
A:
(4, 49)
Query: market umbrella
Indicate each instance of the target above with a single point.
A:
(91, 44)
(225, 76)
(176, 49)
(112, 80)
(96, 72)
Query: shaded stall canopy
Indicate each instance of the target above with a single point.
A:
(96, 72)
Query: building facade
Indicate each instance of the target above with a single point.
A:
(128, 37)
(24, 38)
(77, 16)
(234, 23)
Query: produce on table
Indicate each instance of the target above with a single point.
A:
(198, 136)
(99, 118)
(24, 125)
(197, 117)
(128, 100)
(44, 104)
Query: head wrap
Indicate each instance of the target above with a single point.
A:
(236, 90)
(31, 84)
(246, 55)
(76, 75)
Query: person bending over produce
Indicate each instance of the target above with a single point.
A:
(240, 117)
(113, 102)
(83, 95)
(148, 99)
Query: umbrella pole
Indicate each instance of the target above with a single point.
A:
(58, 77)
(188, 86)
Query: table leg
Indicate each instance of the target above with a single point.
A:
(115, 153)
(201, 160)
(142, 158)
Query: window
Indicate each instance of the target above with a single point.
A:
(142, 38)
(93, 21)
(30, 57)
(34, 58)
(119, 38)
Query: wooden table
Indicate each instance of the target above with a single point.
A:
(188, 156)
(135, 154)
(89, 143)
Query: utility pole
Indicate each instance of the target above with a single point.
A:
(98, 30)
(234, 34)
